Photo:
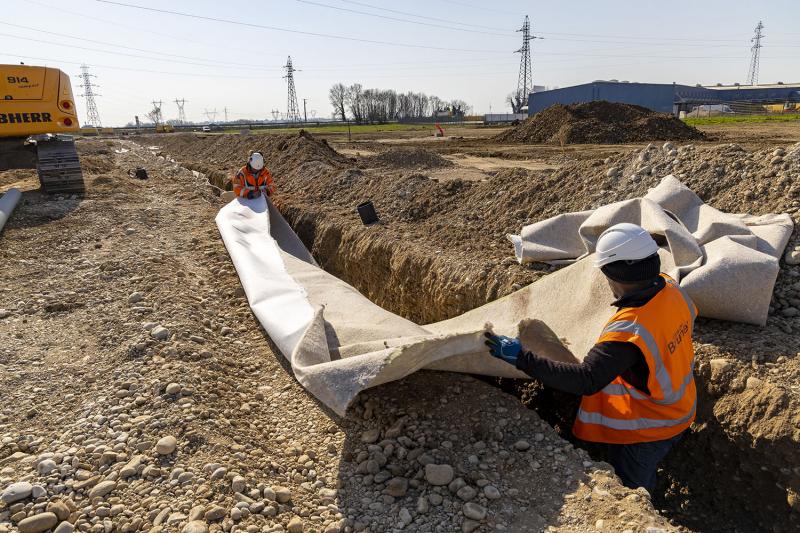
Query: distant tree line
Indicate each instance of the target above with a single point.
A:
(383, 105)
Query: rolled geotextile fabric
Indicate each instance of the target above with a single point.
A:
(7, 204)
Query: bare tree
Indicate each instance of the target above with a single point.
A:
(155, 116)
(421, 104)
(517, 101)
(355, 102)
(404, 106)
(391, 105)
(436, 104)
(383, 105)
(338, 99)
(459, 107)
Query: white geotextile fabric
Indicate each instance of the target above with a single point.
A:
(727, 263)
(340, 343)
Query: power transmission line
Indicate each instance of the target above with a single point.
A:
(525, 80)
(123, 54)
(752, 72)
(234, 65)
(656, 38)
(138, 29)
(92, 116)
(181, 115)
(300, 32)
(472, 6)
(130, 69)
(371, 6)
(115, 45)
(292, 113)
(386, 17)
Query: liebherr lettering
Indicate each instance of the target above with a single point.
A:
(20, 118)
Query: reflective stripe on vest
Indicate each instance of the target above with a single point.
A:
(245, 186)
(634, 424)
(662, 376)
(689, 302)
(618, 389)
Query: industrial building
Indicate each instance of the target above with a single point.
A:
(664, 97)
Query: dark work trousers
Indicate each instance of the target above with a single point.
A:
(636, 464)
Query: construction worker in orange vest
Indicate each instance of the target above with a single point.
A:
(637, 381)
(253, 179)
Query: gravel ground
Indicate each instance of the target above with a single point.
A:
(139, 393)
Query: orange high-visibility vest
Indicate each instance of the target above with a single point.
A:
(662, 330)
(246, 182)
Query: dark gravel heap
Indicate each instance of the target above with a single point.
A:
(599, 123)
(416, 158)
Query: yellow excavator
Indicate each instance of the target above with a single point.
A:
(37, 113)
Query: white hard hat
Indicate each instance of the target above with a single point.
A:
(624, 242)
(256, 161)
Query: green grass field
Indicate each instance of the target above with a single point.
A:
(354, 128)
(722, 119)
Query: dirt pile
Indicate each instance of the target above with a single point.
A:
(410, 158)
(219, 157)
(598, 123)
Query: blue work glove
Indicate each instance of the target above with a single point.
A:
(505, 348)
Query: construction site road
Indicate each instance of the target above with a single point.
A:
(139, 393)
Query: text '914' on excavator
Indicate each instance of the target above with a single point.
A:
(37, 112)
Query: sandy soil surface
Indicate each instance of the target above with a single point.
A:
(139, 394)
(755, 134)
(496, 163)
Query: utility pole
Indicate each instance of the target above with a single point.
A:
(211, 115)
(305, 115)
(752, 72)
(525, 81)
(225, 110)
(181, 115)
(292, 112)
(276, 113)
(92, 116)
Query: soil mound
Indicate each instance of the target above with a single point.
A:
(598, 123)
(416, 158)
(219, 157)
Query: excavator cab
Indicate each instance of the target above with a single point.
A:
(37, 114)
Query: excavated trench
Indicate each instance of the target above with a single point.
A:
(718, 478)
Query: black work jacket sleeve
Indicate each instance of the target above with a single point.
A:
(604, 362)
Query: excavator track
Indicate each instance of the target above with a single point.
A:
(59, 167)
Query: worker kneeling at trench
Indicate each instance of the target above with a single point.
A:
(254, 179)
(637, 381)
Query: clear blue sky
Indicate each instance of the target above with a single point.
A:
(456, 49)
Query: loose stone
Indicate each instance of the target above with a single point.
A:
(438, 474)
(166, 445)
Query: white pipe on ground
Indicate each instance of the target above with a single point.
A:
(7, 204)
